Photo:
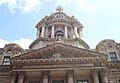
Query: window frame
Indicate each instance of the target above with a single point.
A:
(34, 82)
(6, 60)
(57, 81)
(113, 56)
(82, 81)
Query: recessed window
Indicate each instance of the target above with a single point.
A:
(113, 56)
(34, 81)
(59, 34)
(82, 81)
(6, 60)
(57, 81)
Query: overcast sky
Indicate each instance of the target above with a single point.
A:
(100, 18)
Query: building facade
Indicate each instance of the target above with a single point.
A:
(59, 55)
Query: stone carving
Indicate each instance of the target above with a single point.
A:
(56, 55)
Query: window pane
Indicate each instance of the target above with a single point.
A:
(113, 56)
(6, 60)
(82, 81)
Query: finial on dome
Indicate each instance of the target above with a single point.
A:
(59, 9)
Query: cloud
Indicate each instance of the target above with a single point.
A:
(3, 42)
(24, 43)
(60, 2)
(22, 5)
(85, 6)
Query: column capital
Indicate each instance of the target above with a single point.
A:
(95, 72)
(45, 73)
(103, 71)
(13, 74)
(70, 72)
(21, 74)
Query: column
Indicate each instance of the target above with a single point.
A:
(43, 31)
(103, 75)
(66, 34)
(13, 77)
(81, 35)
(95, 75)
(21, 76)
(45, 76)
(70, 74)
(53, 31)
(76, 33)
(38, 32)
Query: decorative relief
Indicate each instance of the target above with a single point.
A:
(56, 55)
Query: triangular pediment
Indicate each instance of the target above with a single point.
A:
(58, 50)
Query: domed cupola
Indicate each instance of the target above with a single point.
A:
(59, 27)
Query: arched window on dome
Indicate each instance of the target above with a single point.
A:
(59, 35)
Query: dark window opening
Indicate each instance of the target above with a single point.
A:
(57, 81)
(34, 81)
(59, 35)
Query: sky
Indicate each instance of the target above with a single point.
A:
(100, 18)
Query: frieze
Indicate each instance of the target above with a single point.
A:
(5, 68)
(58, 66)
(59, 60)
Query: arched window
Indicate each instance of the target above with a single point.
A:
(59, 35)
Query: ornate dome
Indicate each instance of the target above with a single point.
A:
(59, 27)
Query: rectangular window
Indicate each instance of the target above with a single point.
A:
(6, 60)
(82, 81)
(113, 56)
(34, 81)
(57, 81)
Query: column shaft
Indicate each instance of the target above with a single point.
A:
(43, 31)
(45, 76)
(38, 32)
(66, 33)
(95, 75)
(105, 79)
(45, 79)
(20, 80)
(81, 35)
(13, 77)
(76, 33)
(70, 79)
(103, 75)
(70, 76)
(21, 77)
(53, 31)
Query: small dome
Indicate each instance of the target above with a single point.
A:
(59, 9)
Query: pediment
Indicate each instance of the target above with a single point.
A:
(57, 51)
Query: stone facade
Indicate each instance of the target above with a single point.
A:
(59, 55)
